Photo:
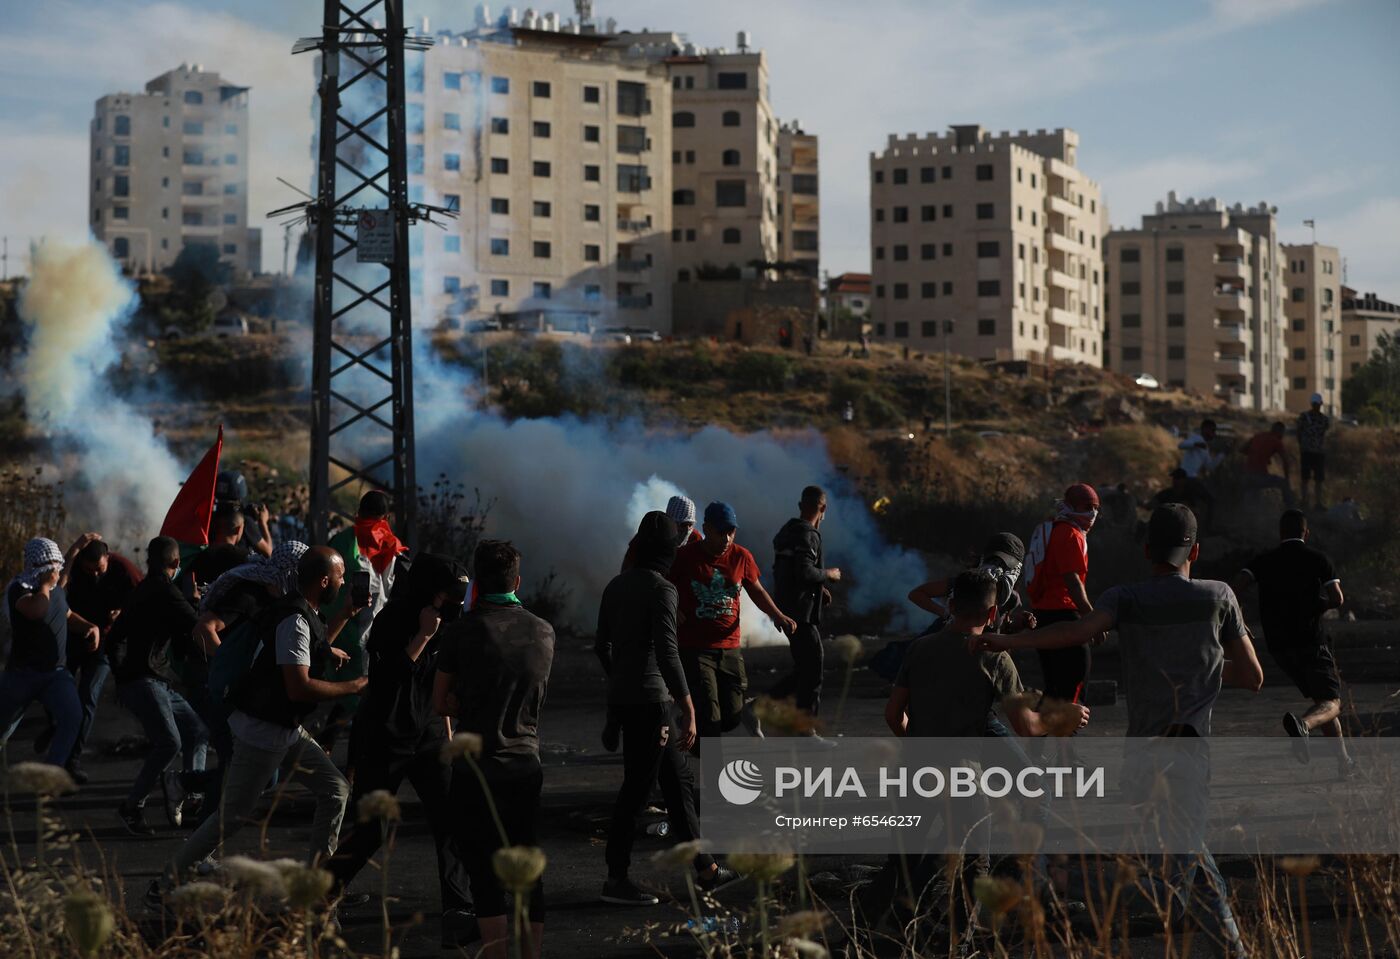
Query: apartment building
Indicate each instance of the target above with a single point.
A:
(1364, 318)
(850, 292)
(169, 167)
(1195, 298)
(1312, 308)
(555, 147)
(799, 206)
(993, 241)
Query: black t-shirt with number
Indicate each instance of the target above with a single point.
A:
(1291, 578)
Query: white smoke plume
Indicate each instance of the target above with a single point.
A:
(571, 492)
(71, 306)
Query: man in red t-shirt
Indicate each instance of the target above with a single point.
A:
(708, 577)
(1057, 564)
(1259, 452)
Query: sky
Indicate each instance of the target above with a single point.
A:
(1292, 102)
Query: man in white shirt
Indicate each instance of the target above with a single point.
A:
(1196, 456)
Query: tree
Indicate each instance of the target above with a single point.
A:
(1372, 393)
(195, 276)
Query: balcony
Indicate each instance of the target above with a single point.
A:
(1063, 280)
(201, 199)
(1234, 392)
(1230, 268)
(632, 301)
(1231, 298)
(631, 266)
(633, 226)
(1060, 317)
(1059, 241)
(1231, 363)
(1063, 206)
(1230, 331)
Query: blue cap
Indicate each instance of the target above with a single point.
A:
(721, 516)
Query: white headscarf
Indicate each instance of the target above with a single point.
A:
(279, 570)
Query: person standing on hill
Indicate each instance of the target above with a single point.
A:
(1312, 445)
(1259, 452)
(800, 590)
(1197, 458)
(1057, 564)
(1296, 586)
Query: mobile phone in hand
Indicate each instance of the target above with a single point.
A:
(359, 588)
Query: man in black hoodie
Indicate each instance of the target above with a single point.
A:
(399, 735)
(800, 592)
(649, 698)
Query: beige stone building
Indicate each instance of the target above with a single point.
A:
(995, 239)
(1312, 307)
(169, 167)
(597, 172)
(799, 206)
(1364, 318)
(1195, 299)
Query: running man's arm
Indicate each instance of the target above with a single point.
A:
(1242, 667)
(924, 596)
(765, 603)
(1026, 722)
(206, 631)
(1332, 594)
(1078, 632)
(302, 688)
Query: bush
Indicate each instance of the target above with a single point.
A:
(447, 523)
(761, 370)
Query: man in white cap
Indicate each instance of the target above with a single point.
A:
(1312, 442)
(681, 509)
(41, 623)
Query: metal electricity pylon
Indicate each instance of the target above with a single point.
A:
(362, 355)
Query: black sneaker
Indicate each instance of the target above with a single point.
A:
(174, 795)
(623, 892)
(721, 877)
(75, 769)
(459, 928)
(1295, 728)
(135, 821)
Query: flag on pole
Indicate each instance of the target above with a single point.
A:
(187, 521)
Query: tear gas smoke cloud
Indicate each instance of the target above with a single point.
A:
(73, 302)
(571, 492)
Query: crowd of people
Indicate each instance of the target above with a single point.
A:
(236, 645)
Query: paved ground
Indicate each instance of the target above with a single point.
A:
(580, 782)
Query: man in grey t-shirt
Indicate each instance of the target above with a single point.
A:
(1181, 639)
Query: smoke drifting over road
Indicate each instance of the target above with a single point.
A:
(71, 306)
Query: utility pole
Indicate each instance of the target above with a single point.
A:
(362, 348)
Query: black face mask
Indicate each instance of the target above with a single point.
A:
(450, 610)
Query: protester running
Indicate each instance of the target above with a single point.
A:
(800, 590)
(1259, 452)
(1058, 567)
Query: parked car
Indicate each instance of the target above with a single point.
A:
(1147, 381)
(612, 334)
(641, 334)
(490, 325)
(229, 324)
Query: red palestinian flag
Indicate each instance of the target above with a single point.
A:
(188, 518)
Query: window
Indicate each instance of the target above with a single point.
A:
(683, 198)
(1132, 321)
(121, 156)
(541, 291)
(1300, 382)
(901, 214)
(452, 244)
(192, 218)
(230, 159)
(540, 167)
(1176, 287)
(879, 253)
(732, 81)
(230, 219)
(500, 246)
(452, 81)
(928, 291)
(415, 158)
(683, 119)
(452, 161)
(986, 211)
(541, 249)
(927, 174)
(989, 287)
(804, 183)
(1176, 319)
(1175, 254)
(592, 134)
(121, 212)
(193, 96)
(192, 157)
(1176, 352)
(947, 211)
(194, 128)
(805, 240)
(1131, 353)
(121, 186)
(632, 99)
(928, 251)
(500, 204)
(500, 124)
(592, 252)
(731, 235)
(730, 193)
(879, 176)
(730, 158)
(901, 176)
(500, 165)
(1300, 353)
(689, 156)
(592, 213)
(901, 291)
(947, 249)
(540, 208)
(928, 214)
(451, 121)
(900, 252)
(947, 287)
(500, 287)
(730, 118)
(632, 178)
(880, 293)
(230, 128)
(592, 173)
(121, 126)
(1299, 294)
(879, 215)
(500, 84)
(988, 248)
(984, 171)
(986, 327)
(121, 247)
(1131, 288)
(1129, 254)
(901, 329)
(540, 129)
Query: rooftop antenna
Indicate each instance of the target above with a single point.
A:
(1313, 225)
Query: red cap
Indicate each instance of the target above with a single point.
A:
(1082, 497)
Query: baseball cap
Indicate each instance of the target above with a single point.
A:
(1316, 398)
(1005, 547)
(721, 516)
(1082, 497)
(1171, 532)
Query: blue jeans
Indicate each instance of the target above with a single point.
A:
(57, 692)
(90, 670)
(1018, 757)
(171, 725)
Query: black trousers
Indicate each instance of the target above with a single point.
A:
(804, 683)
(646, 761)
(382, 766)
(1064, 670)
(517, 801)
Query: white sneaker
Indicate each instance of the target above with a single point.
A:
(174, 795)
(749, 718)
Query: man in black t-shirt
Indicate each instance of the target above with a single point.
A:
(492, 673)
(1296, 586)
